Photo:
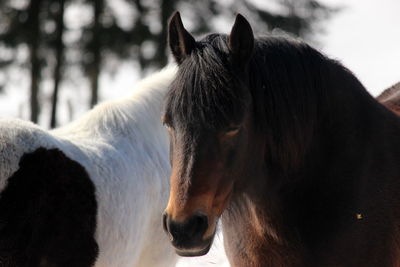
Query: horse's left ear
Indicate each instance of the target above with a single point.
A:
(241, 40)
(180, 41)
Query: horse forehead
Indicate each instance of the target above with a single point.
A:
(197, 136)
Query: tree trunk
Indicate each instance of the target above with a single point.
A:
(59, 57)
(96, 52)
(167, 8)
(33, 43)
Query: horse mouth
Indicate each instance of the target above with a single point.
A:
(193, 252)
(200, 249)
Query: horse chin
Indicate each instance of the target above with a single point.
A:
(193, 252)
(197, 251)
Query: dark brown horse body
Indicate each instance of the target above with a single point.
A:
(284, 144)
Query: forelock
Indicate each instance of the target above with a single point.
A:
(206, 90)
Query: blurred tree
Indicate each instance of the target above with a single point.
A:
(28, 24)
(297, 17)
(105, 38)
(22, 26)
(100, 39)
(59, 48)
(95, 46)
(33, 39)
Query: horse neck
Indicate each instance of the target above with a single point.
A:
(255, 228)
(132, 118)
(271, 212)
(354, 118)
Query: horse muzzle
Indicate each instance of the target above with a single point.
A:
(188, 236)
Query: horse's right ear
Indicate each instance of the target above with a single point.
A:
(180, 41)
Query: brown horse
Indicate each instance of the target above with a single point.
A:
(391, 98)
(286, 146)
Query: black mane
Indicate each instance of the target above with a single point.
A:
(206, 89)
(290, 83)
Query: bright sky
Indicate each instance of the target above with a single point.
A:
(365, 37)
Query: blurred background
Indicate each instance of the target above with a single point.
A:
(58, 58)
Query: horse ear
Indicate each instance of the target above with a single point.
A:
(241, 40)
(180, 41)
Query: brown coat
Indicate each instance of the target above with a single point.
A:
(391, 98)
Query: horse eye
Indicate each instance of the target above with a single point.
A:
(165, 123)
(231, 131)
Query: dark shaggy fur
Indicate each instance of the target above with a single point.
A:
(285, 78)
(202, 92)
(48, 213)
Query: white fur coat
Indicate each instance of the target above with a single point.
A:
(124, 148)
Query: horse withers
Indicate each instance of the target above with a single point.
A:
(286, 146)
(91, 193)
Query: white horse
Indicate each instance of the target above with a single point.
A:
(90, 193)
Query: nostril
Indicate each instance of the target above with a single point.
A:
(164, 219)
(200, 223)
(185, 232)
(168, 227)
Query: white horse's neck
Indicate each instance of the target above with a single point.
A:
(126, 117)
(124, 148)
